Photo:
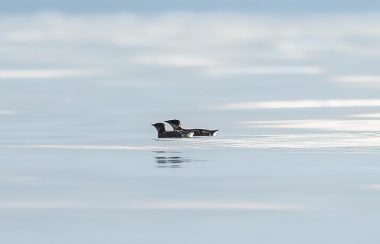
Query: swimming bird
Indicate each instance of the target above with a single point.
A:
(162, 133)
(176, 124)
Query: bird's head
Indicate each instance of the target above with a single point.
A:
(160, 127)
(175, 123)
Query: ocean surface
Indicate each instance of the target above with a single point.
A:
(296, 100)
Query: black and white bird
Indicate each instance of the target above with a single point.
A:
(162, 133)
(176, 124)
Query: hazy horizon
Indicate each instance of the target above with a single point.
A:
(292, 86)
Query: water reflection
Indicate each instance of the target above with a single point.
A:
(165, 159)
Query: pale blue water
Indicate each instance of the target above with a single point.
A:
(296, 102)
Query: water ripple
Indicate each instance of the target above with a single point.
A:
(323, 142)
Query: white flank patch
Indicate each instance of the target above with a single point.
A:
(303, 104)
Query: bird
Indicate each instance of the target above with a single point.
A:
(176, 124)
(162, 133)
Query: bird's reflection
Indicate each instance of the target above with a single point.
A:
(165, 159)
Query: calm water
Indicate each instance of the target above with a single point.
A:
(296, 101)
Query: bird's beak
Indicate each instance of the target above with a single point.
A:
(167, 121)
(152, 124)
